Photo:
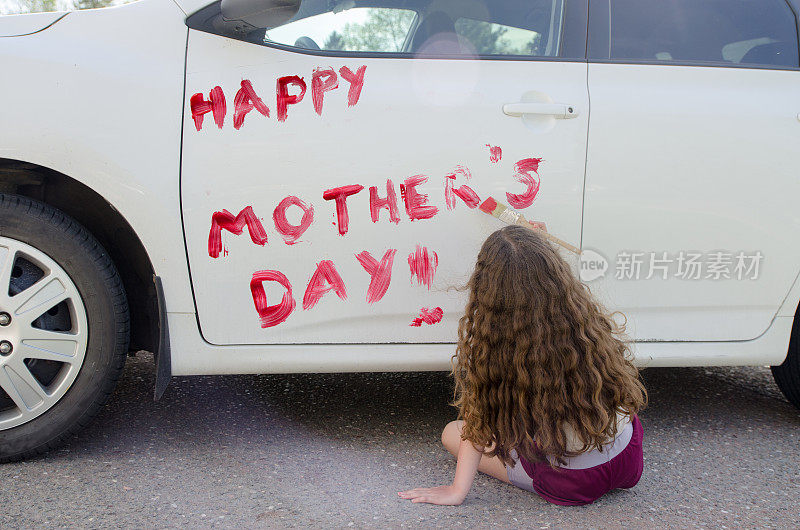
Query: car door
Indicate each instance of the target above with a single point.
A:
(692, 169)
(332, 166)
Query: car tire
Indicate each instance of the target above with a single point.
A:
(787, 375)
(67, 324)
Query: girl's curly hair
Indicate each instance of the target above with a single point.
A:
(537, 352)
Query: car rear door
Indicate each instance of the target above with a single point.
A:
(352, 173)
(692, 173)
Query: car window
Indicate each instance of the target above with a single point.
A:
(411, 27)
(741, 32)
(509, 40)
(363, 29)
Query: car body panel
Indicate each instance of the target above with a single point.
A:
(701, 160)
(197, 357)
(103, 105)
(413, 117)
(26, 24)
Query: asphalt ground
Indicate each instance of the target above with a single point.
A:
(722, 450)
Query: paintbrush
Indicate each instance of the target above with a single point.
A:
(513, 217)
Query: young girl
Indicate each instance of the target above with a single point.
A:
(543, 383)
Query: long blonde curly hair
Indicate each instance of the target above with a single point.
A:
(537, 352)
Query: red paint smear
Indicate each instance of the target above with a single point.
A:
(324, 279)
(523, 170)
(488, 205)
(495, 153)
(290, 232)
(463, 171)
(527, 164)
(271, 315)
(284, 98)
(246, 100)
(340, 196)
(416, 206)
(322, 81)
(380, 273)
(449, 196)
(464, 192)
(468, 195)
(225, 220)
(390, 203)
(215, 104)
(423, 265)
(428, 316)
(356, 83)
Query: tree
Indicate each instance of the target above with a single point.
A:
(92, 4)
(384, 30)
(494, 39)
(38, 6)
(486, 38)
(335, 41)
(532, 47)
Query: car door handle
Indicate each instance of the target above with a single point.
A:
(557, 110)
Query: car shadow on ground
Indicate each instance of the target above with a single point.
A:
(333, 449)
(400, 403)
(365, 407)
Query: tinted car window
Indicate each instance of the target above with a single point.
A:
(419, 27)
(363, 29)
(509, 40)
(744, 32)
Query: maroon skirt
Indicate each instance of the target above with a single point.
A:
(569, 486)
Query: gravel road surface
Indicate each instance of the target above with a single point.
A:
(722, 449)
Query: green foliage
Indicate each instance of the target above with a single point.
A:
(384, 30)
(92, 4)
(39, 6)
(493, 39)
(36, 6)
(486, 39)
(534, 46)
(335, 41)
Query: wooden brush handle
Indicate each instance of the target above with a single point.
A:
(549, 236)
(557, 241)
(513, 217)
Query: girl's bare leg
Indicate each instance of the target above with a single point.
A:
(451, 439)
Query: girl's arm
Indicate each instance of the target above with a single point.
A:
(455, 493)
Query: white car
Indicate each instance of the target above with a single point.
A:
(264, 186)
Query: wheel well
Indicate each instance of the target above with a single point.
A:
(107, 225)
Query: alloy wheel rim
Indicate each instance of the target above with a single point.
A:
(35, 350)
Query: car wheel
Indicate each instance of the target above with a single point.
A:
(787, 375)
(64, 327)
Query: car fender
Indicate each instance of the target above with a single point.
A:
(99, 98)
(28, 23)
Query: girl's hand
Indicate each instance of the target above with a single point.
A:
(444, 495)
(539, 224)
(466, 466)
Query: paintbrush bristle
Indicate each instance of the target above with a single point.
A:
(512, 217)
(488, 206)
(501, 211)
